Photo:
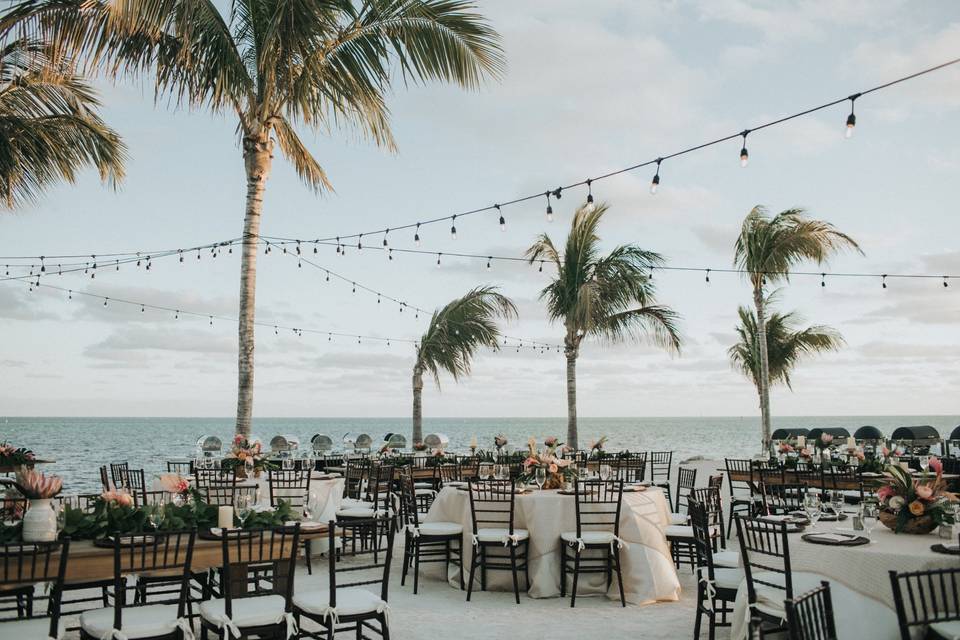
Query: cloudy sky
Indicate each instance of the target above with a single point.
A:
(586, 92)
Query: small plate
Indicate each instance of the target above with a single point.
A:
(949, 549)
(842, 539)
(635, 488)
(306, 525)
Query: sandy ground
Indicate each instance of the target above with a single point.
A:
(442, 611)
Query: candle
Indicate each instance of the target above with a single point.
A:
(851, 442)
(801, 441)
(225, 517)
(473, 442)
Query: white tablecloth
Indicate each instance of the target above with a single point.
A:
(856, 571)
(648, 571)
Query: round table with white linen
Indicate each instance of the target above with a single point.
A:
(855, 572)
(648, 571)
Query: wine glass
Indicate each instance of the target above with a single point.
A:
(604, 471)
(288, 464)
(837, 502)
(154, 516)
(308, 511)
(871, 514)
(243, 507)
(924, 462)
(248, 467)
(811, 505)
(540, 476)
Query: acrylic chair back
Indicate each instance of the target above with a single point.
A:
(598, 504)
(492, 504)
(810, 616)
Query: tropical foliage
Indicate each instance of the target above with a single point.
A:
(453, 337)
(909, 499)
(322, 64)
(767, 248)
(786, 344)
(49, 127)
(609, 296)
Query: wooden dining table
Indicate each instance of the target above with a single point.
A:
(790, 476)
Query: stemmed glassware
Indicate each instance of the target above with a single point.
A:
(243, 506)
(871, 514)
(604, 471)
(924, 462)
(837, 502)
(541, 476)
(811, 505)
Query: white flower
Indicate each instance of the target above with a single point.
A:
(896, 502)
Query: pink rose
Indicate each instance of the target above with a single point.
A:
(553, 468)
(884, 492)
(924, 492)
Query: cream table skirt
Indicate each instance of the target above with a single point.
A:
(856, 575)
(648, 571)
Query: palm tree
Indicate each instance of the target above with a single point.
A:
(274, 65)
(455, 334)
(766, 250)
(786, 344)
(49, 127)
(609, 296)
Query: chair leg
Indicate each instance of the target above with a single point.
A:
(576, 575)
(384, 629)
(699, 612)
(730, 521)
(483, 568)
(406, 560)
(308, 552)
(416, 566)
(616, 559)
(513, 571)
(563, 569)
(526, 562)
(460, 560)
(473, 569)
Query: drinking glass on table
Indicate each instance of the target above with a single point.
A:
(837, 502)
(604, 471)
(243, 505)
(924, 462)
(811, 506)
(540, 476)
(871, 514)
(288, 464)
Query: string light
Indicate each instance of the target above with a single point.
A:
(438, 261)
(655, 183)
(708, 275)
(385, 237)
(416, 235)
(945, 285)
(488, 263)
(589, 206)
(503, 221)
(852, 118)
(823, 280)
(744, 154)
(549, 208)
(360, 243)
(453, 228)
(884, 281)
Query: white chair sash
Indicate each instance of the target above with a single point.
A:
(415, 531)
(710, 587)
(617, 540)
(182, 623)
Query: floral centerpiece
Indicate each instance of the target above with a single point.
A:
(246, 453)
(915, 506)
(597, 447)
(11, 456)
(557, 470)
(500, 441)
(419, 446)
(176, 485)
(40, 520)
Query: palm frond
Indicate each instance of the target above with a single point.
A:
(459, 329)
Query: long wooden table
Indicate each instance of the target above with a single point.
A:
(822, 481)
(88, 562)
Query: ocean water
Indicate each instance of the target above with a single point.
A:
(81, 445)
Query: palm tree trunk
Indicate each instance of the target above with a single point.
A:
(763, 384)
(417, 404)
(258, 157)
(571, 353)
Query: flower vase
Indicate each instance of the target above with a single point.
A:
(240, 472)
(40, 522)
(553, 481)
(914, 526)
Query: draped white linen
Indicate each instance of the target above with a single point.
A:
(648, 571)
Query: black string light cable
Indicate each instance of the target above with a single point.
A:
(822, 275)
(403, 304)
(557, 192)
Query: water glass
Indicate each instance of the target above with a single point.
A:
(288, 464)
(836, 502)
(924, 462)
(871, 514)
(242, 505)
(811, 505)
(604, 471)
(541, 476)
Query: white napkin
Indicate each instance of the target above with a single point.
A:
(834, 537)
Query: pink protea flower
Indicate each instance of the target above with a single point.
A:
(786, 447)
(883, 493)
(550, 441)
(36, 486)
(120, 498)
(924, 492)
(936, 465)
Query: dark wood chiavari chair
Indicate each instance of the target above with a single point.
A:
(681, 536)
(448, 473)
(810, 616)
(716, 585)
(181, 467)
(783, 498)
(492, 509)
(661, 466)
(251, 606)
(355, 474)
(137, 487)
(469, 468)
(808, 474)
(598, 505)
(217, 486)
(927, 602)
(347, 604)
(105, 481)
(765, 553)
(21, 567)
(632, 467)
(842, 479)
(741, 491)
(291, 486)
(428, 542)
(118, 474)
(686, 481)
(170, 552)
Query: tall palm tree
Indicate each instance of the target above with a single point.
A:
(274, 64)
(786, 344)
(455, 334)
(49, 127)
(608, 296)
(766, 250)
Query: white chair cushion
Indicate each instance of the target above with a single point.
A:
(679, 518)
(423, 485)
(36, 628)
(726, 558)
(351, 601)
(363, 512)
(349, 503)
(589, 537)
(949, 630)
(425, 492)
(727, 578)
(440, 528)
(138, 622)
(686, 531)
(500, 535)
(247, 612)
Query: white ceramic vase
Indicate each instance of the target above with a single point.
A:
(40, 522)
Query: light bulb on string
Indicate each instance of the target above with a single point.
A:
(489, 258)
(276, 330)
(338, 245)
(181, 255)
(70, 294)
(744, 154)
(328, 276)
(416, 235)
(655, 183)
(390, 253)
(176, 314)
(211, 321)
(453, 228)
(354, 287)
(549, 208)
(589, 206)
(360, 243)
(315, 247)
(385, 243)
(298, 247)
(883, 281)
(852, 118)
(541, 267)
(823, 280)
(708, 276)
(503, 221)
(43, 267)
(105, 301)
(945, 285)
(142, 309)
(438, 260)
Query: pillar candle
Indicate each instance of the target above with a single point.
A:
(473, 442)
(225, 517)
(851, 442)
(801, 441)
